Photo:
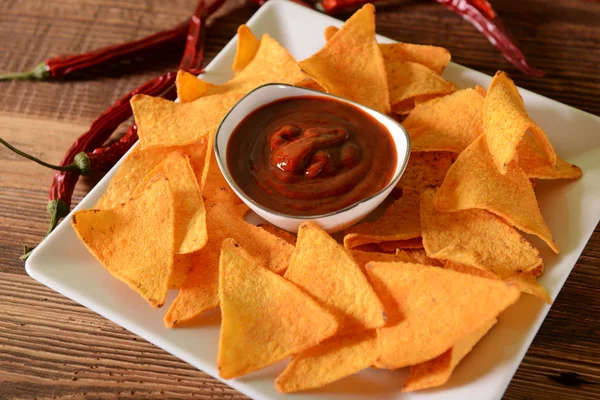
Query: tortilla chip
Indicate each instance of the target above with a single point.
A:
(426, 169)
(326, 271)
(433, 57)
(310, 83)
(394, 245)
(421, 257)
(473, 181)
(429, 309)
(436, 372)
(449, 123)
(350, 65)
(166, 123)
(135, 240)
(477, 238)
(199, 292)
(527, 283)
(533, 161)
(362, 258)
(138, 164)
(190, 87)
(407, 80)
(467, 269)
(182, 264)
(332, 360)
(280, 233)
(264, 318)
(217, 190)
(505, 122)
(190, 214)
(399, 222)
(247, 47)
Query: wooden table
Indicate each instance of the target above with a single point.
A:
(53, 348)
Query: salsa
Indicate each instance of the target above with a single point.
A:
(310, 155)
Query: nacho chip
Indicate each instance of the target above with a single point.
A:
(190, 87)
(310, 83)
(199, 292)
(505, 122)
(350, 65)
(448, 123)
(407, 80)
(217, 190)
(394, 245)
(135, 240)
(247, 47)
(190, 214)
(426, 169)
(328, 362)
(473, 181)
(280, 233)
(182, 264)
(429, 309)
(166, 123)
(433, 57)
(421, 257)
(477, 238)
(138, 163)
(467, 269)
(533, 161)
(362, 258)
(436, 372)
(399, 222)
(527, 283)
(264, 318)
(326, 271)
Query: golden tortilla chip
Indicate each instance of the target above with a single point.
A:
(426, 169)
(505, 122)
(332, 360)
(421, 257)
(449, 123)
(436, 372)
(477, 238)
(350, 65)
(166, 123)
(473, 181)
(182, 264)
(264, 318)
(467, 269)
(429, 309)
(533, 161)
(527, 283)
(135, 240)
(190, 214)
(190, 87)
(395, 245)
(280, 233)
(327, 271)
(138, 164)
(407, 80)
(199, 292)
(310, 83)
(433, 57)
(247, 47)
(399, 222)
(362, 258)
(217, 190)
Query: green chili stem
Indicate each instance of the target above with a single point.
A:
(39, 73)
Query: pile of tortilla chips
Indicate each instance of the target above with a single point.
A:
(417, 287)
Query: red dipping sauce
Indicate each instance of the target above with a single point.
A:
(310, 155)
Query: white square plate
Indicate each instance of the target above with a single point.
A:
(571, 210)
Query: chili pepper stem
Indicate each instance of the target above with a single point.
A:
(39, 73)
(57, 209)
(80, 164)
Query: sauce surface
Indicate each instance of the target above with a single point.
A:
(310, 155)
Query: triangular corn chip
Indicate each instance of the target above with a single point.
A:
(135, 240)
(477, 238)
(190, 214)
(182, 264)
(421, 257)
(429, 309)
(264, 318)
(407, 80)
(473, 181)
(433, 57)
(350, 65)
(362, 258)
(326, 271)
(139, 163)
(427, 168)
(190, 87)
(436, 372)
(395, 245)
(166, 123)
(199, 292)
(533, 161)
(448, 123)
(505, 121)
(280, 233)
(399, 222)
(247, 46)
(332, 360)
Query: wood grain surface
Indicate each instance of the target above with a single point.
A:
(53, 348)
